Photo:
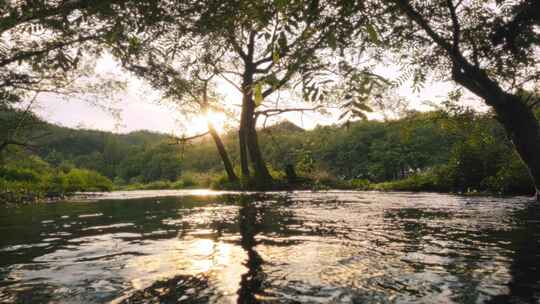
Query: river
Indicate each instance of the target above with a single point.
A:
(284, 247)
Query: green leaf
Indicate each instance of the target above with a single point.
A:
(281, 4)
(275, 57)
(272, 80)
(332, 42)
(282, 42)
(257, 94)
(372, 33)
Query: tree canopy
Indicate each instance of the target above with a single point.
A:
(322, 52)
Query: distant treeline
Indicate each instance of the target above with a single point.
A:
(451, 150)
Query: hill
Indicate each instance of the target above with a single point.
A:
(437, 151)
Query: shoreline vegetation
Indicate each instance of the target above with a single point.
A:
(445, 151)
(415, 183)
(322, 55)
(323, 182)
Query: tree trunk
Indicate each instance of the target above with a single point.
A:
(242, 142)
(222, 153)
(291, 174)
(215, 136)
(523, 130)
(249, 142)
(517, 118)
(261, 174)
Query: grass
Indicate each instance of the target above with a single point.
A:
(315, 180)
(438, 179)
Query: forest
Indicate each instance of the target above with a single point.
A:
(279, 57)
(447, 150)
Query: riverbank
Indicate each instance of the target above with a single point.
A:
(320, 182)
(413, 183)
(13, 198)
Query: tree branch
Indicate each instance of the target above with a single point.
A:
(456, 29)
(274, 112)
(182, 140)
(237, 48)
(405, 6)
(47, 49)
(231, 82)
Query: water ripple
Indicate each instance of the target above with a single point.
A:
(294, 247)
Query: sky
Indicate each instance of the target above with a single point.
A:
(138, 107)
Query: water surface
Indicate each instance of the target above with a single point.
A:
(298, 247)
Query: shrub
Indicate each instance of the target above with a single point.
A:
(54, 185)
(118, 181)
(177, 185)
(158, 185)
(513, 178)
(188, 179)
(18, 191)
(136, 180)
(28, 178)
(198, 179)
(97, 182)
(430, 180)
(75, 181)
(18, 174)
(131, 187)
(359, 184)
(86, 180)
(221, 182)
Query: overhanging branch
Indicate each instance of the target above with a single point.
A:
(274, 112)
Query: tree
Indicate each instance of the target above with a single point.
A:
(271, 47)
(204, 107)
(488, 47)
(19, 127)
(46, 46)
(180, 76)
(45, 41)
(259, 47)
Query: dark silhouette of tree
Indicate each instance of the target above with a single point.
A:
(462, 40)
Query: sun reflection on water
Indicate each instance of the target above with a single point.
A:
(310, 248)
(221, 262)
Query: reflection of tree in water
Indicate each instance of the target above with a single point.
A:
(266, 215)
(180, 289)
(272, 217)
(252, 281)
(199, 289)
(525, 268)
(39, 293)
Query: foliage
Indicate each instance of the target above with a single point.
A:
(451, 149)
(50, 47)
(488, 47)
(27, 178)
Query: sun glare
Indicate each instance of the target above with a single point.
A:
(199, 124)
